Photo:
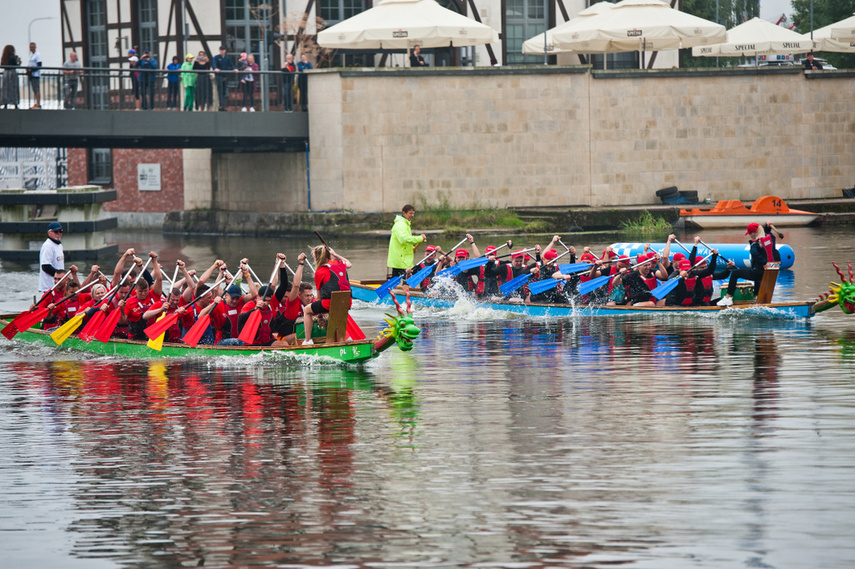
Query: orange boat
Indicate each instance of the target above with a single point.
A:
(733, 213)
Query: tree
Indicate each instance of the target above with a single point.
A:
(731, 13)
(825, 12)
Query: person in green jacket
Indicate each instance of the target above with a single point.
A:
(402, 243)
(189, 81)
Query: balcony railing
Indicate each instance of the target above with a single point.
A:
(123, 89)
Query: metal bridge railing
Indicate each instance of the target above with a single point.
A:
(141, 89)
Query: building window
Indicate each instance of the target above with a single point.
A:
(100, 166)
(523, 19)
(96, 19)
(332, 11)
(244, 20)
(148, 25)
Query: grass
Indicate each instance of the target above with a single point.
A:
(646, 223)
(455, 220)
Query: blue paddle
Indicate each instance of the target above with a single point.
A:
(542, 286)
(596, 283)
(424, 273)
(593, 284)
(514, 284)
(549, 283)
(571, 268)
(384, 288)
(662, 290)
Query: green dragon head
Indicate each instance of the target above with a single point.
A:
(842, 294)
(402, 327)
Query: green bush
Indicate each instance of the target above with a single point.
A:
(443, 215)
(645, 223)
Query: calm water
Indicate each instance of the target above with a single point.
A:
(498, 442)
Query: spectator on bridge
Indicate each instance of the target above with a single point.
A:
(133, 61)
(247, 81)
(223, 62)
(288, 71)
(71, 70)
(172, 84)
(148, 72)
(303, 81)
(9, 90)
(35, 75)
(204, 87)
(188, 78)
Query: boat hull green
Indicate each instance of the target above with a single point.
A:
(348, 352)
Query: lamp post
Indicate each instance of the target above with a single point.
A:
(30, 26)
(811, 20)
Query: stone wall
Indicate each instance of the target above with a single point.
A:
(261, 182)
(567, 136)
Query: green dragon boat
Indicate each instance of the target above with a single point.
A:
(401, 331)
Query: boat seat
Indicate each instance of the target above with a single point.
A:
(767, 285)
(337, 323)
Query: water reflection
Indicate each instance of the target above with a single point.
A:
(580, 442)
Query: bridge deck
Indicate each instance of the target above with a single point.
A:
(220, 131)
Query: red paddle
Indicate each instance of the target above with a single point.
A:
(250, 328)
(195, 333)
(39, 314)
(167, 321)
(112, 320)
(17, 323)
(88, 332)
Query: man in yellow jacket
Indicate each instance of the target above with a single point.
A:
(402, 243)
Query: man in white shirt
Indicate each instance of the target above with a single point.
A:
(33, 67)
(51, 257)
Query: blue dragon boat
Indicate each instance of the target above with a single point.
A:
(366, 292)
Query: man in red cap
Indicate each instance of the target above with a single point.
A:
(640, 281)
(689, 291)
(429, 260)
(494, 274)
(465, 278)
(759, 258)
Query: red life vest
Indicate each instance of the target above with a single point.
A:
(766, 241)
(650, 281)
(336, 279)
(707, 285)
(509, 274)
(265, 333)
(690, 286)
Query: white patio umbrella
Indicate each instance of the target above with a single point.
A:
(822, 41)
(756, 37)
(844, 30)
(643, 25)
(402, 24)
(534, 46)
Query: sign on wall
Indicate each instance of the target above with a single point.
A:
(148, 177)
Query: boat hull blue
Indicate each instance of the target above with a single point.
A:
(774, 310)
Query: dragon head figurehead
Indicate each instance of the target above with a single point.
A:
(842, 294)
(401, 328)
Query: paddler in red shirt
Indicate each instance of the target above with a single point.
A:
(268, 304)
(234, 300)
(174, 302)
(141, 300)
(291, 309)
(330, 276)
